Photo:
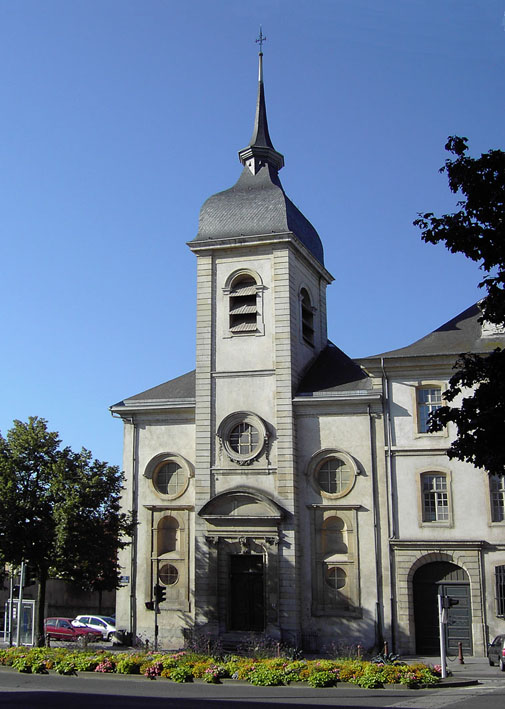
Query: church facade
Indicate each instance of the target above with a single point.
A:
(286, 489)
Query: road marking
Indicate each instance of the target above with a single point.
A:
(446, 696)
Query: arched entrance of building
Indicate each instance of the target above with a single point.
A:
(430, 580)
(243, 538)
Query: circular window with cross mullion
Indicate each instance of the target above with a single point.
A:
(169, 475)
(332, 473)
(243, 436)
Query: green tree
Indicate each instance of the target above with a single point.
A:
(476, 229)
(59, 511)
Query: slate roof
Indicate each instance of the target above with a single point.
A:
(256, 205)
(180, 388)
(333, 371)
(461, 334)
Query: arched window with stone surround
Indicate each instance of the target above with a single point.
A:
(168, 535)
(307, 317)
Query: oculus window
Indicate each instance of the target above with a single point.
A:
(332, 473)
(243, 436)
(169, 475)
(168, 575)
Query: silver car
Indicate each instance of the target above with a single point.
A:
(102, 623)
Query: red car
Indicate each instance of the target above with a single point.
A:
(62, 629)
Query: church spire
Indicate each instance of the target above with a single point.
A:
(260, 150)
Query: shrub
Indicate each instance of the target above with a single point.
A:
(264, 677)
(322, 678)
(105, 665)
(128, 664)
(65, 666)
(181, 673)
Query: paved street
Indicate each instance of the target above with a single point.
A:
(127, 692)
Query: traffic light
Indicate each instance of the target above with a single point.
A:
(448, 601)
(150, 605)
(160, 593)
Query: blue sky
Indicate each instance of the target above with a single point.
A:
(120, 117)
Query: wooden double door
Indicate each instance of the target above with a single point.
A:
(447, 579)
(247, 592)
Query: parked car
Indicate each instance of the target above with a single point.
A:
(103, 624)
(496, 652)
(62, 629)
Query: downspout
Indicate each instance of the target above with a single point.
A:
(379, 636)
(133, 546)
(388, 434)
(133, 557)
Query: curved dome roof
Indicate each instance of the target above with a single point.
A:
(256, 205)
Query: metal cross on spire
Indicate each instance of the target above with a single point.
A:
(260, 40)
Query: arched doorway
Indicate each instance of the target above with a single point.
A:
(430, 580)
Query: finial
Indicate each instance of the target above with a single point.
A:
(260, 40)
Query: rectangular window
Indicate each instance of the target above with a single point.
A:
(500, 590)
(435, 498)
(429, 399)
(497, 489)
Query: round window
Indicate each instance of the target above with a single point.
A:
(169, 478)
(244, 439)
(335, 577)
(168, 575)
(243, 436)
(334, 476)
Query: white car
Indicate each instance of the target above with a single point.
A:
(103, 623)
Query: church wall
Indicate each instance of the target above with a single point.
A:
(158, 437)
(344, 428)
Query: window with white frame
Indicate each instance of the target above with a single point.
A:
(435, 497)
(497, 491)
(429, 399)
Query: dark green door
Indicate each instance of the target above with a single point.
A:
(247, 607)
(450, 580)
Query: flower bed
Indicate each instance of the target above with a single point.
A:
(186, 666)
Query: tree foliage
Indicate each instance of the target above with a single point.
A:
(59, 510)
(476, 229)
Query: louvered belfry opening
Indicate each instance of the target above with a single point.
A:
(307, 318)
(243, 305)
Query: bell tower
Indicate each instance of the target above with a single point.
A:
(261, 320)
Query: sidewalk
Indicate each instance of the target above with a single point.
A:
(473, 669)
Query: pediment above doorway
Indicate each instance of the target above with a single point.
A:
(241, 505)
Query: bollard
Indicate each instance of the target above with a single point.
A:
(461, 659)
(386, 649)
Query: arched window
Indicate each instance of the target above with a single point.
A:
(167, 541)
(243, 304)
(307, 312)
(334, 533)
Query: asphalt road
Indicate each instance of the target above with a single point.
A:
(127, 691)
